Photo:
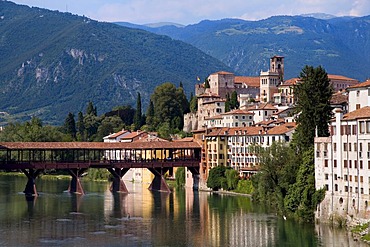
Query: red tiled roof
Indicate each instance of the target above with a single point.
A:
(248, 80)
(209, 95)
(282, 129)
(340, 77)
(115, 135)
(237, 112)
(363, 84)
(363, 112)
(263, 106)
(222, 73)
(96, 145)
(214, 117)
(339, 98)
(290, 82)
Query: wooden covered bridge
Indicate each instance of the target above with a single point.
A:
(32, 158)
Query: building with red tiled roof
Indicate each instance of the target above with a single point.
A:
(340, 82)
(263, 111)
(358, 96)
(235, 147)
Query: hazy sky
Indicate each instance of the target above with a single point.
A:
(193, 11)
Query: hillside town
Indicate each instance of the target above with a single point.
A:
(264, 114)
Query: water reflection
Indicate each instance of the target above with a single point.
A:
(144, 218)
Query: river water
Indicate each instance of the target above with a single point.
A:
(145, 218)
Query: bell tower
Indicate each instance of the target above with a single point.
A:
(271, 79)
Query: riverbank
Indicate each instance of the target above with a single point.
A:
(360, 229)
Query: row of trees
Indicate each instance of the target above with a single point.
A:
(167, 107)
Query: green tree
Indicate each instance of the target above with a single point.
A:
(206, 83)
(138, 114)
(167, 104)
(303, 197)
(278, 168)
(234, 103)
(180, 177)
(181, 97)
(232, 178)
(91, 123)
(217, 178)
(108, 126)
(227, 103)
(91, 109)
(313, 105)
(150, 116)
(193, 104)
(80, 125)
(70, 125)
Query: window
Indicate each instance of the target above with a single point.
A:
(335, 177)
(335, 146)
(335, 163)
(361, 179)
(350, 164)
(367, 126)
(358, 106)
(362, 127)
(344, 146)
(336, 187)
(345, 178)
(345, 163)
(361, 164)
(349, 147)
(326, 163)
(357, 94)
(354, 129)
(326, 176)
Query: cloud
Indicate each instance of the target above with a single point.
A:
(193, 11)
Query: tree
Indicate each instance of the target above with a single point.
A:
(206, 83)
(217, 178)
(138, 114)
(70, 125)
(108, 126)
(193, 103)
(80, 125)
(232, 179)
(303, 197)
(150, 116)
(180, 177)
(313, 105)
(167, 104)
(91, 110)
(278, 168)
(227, 103)
(234, 103)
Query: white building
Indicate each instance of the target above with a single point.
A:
(342, 161)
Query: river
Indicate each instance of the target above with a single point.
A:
(145, 218)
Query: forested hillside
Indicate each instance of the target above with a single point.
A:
(53, 63)
(340, 45)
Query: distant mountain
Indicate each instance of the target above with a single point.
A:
(53, 63)
(340, 44)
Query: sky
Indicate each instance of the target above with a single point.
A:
(193, 11)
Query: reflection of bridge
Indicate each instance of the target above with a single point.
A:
(32, 158)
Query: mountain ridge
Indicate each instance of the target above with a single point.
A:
(54, 63)
(338, 44)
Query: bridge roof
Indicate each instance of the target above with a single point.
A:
(97, 145)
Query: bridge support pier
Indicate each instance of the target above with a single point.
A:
(31, 174)
(117, 184)
(159, 183)
(75, 184)
(196, 176)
